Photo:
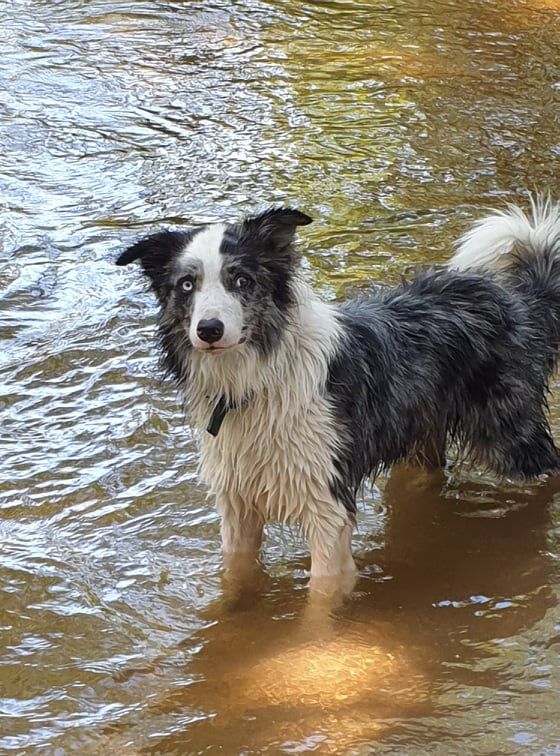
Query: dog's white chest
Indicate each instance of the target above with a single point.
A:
(274, 455)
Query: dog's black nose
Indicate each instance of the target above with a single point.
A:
(210, 330)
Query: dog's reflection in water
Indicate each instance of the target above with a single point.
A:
(460, 562)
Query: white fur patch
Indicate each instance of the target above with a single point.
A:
(274, 455)
(488, 244)
(205, 246)
(211, 299)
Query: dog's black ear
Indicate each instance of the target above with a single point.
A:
(277, 225)
(155, 252)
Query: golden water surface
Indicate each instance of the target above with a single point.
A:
(393, 123)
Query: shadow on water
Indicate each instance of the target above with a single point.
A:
(463, 569)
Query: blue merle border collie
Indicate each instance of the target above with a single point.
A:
(298, 401)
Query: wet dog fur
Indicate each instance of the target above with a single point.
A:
(305, 399)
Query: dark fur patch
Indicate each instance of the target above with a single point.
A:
(262, 248)
(155, 253)
(448, 357)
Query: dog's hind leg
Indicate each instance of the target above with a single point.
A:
(530, 455)
(431, 454)
(513, 440)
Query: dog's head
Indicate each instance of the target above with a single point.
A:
(224, 285)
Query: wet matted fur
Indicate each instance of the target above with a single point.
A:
(305, 399)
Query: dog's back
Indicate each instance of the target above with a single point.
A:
(462, 355)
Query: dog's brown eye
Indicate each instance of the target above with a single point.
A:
(241, 282)
(187, 284)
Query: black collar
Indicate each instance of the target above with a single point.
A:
(220, 411)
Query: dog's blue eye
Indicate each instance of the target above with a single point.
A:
(241, 282)
(187, 284)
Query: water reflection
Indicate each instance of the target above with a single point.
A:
(462, 570)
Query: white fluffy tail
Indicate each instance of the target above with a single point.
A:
(489, 243)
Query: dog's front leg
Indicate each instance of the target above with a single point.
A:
(242, 533)
(333, 569)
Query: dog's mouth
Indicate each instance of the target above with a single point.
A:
(216, 349)
(213, 349)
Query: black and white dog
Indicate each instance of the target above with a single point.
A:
(297, 400)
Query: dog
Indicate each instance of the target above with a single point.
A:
(298, 401)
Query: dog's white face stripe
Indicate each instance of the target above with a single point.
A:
(205, 246)
(211, 300)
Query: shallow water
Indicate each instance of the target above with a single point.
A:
(393, 124)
